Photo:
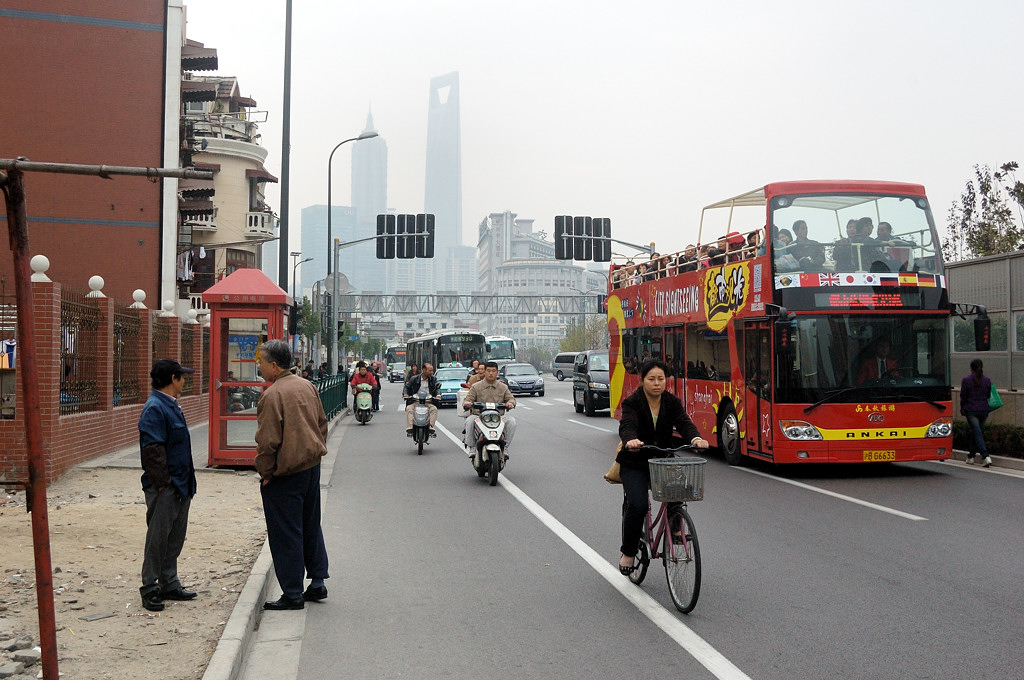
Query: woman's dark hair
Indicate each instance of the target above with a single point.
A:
(654, 363)
(976, 369)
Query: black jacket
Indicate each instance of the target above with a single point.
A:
(413, 386)
(637, 423)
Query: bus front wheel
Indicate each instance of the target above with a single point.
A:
(729, 435)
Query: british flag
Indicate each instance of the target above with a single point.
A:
(828, 279)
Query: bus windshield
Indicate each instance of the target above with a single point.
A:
(853, 233)
(502, 349)
(846, 358)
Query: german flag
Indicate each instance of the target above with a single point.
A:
(926, 280)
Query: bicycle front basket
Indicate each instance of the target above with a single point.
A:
(676, 480)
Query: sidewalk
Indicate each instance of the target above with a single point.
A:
(229, 657)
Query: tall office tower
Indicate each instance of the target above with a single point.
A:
(369, 199)
(313, 221)
(443, 189)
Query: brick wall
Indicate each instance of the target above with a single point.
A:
(76, 437)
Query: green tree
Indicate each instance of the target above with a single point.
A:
(981, 222)
(538, 355)
(308, 321)
(590, 333)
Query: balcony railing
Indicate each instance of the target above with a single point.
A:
(260, 224)
(204, 223)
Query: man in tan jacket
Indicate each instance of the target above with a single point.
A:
(489, 390)
(291, 438)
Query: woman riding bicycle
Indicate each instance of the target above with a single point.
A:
(649, 416)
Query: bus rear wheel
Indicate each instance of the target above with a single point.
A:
(729, 435)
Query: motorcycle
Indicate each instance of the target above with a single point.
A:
(489, 435)
(363, 403)
(420, 419)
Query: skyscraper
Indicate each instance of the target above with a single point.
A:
(443, 188)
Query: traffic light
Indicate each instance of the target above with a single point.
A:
(406, 239)
(602, 239)
(425, 243)
(385, 237)
(563, 238)
(293, 320)
(983, 334)
(582, 242)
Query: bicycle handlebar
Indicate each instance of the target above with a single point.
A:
(681, 447)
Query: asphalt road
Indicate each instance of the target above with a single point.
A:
(887, 571)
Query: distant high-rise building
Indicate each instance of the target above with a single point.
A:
(369, 198)
(443, 188)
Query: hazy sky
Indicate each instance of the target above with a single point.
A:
(642, 112)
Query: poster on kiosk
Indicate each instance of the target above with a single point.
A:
(246, 310)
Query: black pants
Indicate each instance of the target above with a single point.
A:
(375, 398)
(166, 526)
(635, 483)
(291, 505)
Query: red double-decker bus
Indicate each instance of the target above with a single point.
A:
(815, 332)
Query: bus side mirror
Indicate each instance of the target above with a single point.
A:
(983, 334)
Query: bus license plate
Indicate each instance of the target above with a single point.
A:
(879, 456)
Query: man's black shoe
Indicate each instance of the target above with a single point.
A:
(315, 594)
(178, 594)
(153, 602)
(283, 603)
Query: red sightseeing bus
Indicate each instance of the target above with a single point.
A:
(822, 338)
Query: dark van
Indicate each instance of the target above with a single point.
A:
(590, 376)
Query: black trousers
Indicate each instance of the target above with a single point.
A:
(166, 526)
(291, 505)
(635, 484)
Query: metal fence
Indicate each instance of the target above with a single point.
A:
(79, 322)
(127, 353)
(205, 387)
(332, 394)
(161, 339)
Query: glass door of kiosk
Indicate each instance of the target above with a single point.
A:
(239, 384)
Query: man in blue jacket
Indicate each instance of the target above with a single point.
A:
(169, 482)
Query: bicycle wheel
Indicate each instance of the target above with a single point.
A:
(641, 561)
(682, 562)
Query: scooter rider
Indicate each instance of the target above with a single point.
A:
(413, 387)
(489, 390)
(362, 376)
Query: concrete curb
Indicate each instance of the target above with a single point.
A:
(227, 660)
(997, 461)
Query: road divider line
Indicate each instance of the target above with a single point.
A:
(848, 499)
(696, 646)
(565, 401)
(541, 402)
(593, 427)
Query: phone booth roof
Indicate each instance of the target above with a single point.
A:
(246, 286)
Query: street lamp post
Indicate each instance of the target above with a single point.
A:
(332, 337)
(295, 256)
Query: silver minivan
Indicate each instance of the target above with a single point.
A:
(561, 366)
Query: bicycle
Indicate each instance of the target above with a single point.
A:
(673, 480)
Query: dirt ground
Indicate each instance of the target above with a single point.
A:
(97, 532)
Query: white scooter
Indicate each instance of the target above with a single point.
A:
(489, 435)
(421, 419)
(363, 403)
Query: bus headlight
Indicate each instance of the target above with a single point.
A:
(943, 427)
(799, 430)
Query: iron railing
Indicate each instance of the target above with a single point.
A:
(188, 356)
(127, 353)
(332, 394)
(79, 322)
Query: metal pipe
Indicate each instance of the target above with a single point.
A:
(35, 488)
(25, 165)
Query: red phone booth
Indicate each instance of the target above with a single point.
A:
(246, 309)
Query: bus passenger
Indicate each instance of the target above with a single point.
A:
(687, 262)
(752, 243)
(810, 254)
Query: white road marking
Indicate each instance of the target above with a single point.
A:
(541, 402)
(565, 401)
(519, 404)
(593, 427)
(849, 499)
(696, 646)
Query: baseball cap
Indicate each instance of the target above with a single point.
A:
(164, 369)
